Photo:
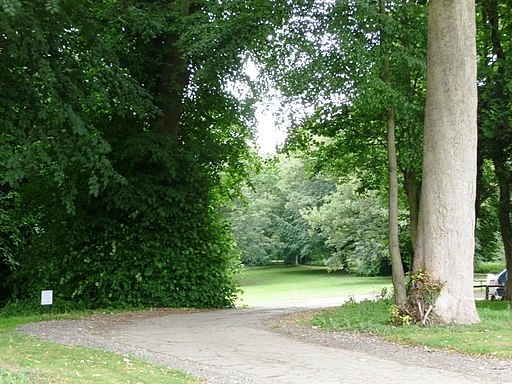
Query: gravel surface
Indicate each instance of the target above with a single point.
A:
(90, 332)
(498, 370)
(96, 332)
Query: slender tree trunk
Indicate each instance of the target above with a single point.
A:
(397, 268)
(394, 248)
(447, 209)
(411, 191)
(500, 146)
(504, 211)
(480, 184)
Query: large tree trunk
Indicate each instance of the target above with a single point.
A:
(447, 209)
(173, 80)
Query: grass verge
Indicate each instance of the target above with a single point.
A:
(26, 359)
(492, 337)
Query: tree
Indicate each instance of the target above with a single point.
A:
(354, 227)
(447, 214)
(270, 225)
(364, 65)
(495, 117)
(398, 275)
(124, 141)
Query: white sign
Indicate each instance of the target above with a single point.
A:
(46, 297)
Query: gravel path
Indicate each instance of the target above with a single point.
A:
(266, 345)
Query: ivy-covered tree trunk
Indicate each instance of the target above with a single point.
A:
(447, 213)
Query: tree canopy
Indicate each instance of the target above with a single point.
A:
(122, 139)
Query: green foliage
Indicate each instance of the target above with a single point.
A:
(336, 54)
(270, 225)
(489, 246)
(125, 203)
(15, 227)
(421, 299)
(355, 226)
(495, 128)
(156, 241)
(490, 267)
(291, 216)
(55, 95)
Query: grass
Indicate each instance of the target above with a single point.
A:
(26, 359)
(277, 283)
(492, 337)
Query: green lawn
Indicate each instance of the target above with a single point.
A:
(492, 337)
(277, 283)
(25, 359)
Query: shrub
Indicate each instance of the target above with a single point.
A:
(421, 298)
(489, 267)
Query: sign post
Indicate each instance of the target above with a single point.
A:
(47, 299)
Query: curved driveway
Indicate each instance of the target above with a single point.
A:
(234, 346)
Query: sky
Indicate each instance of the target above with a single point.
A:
(269, 132)
(270, 120)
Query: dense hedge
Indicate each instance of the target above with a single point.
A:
(154, 240)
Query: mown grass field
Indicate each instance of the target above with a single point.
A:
(277, 283)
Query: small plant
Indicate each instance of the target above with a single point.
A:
(386, 295)
(421, 298)
(398, 316)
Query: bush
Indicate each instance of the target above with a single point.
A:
(156, 241)
(421, 298)
(490, 267)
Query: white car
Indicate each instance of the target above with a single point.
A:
(492, 279)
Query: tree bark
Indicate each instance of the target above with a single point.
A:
(173, 79)
(447, 209)
(411, 191)
(397, 269)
